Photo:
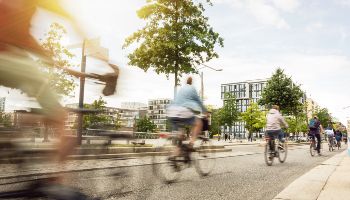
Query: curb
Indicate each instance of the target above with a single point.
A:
(310, 185)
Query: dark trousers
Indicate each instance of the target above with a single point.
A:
(318, 137)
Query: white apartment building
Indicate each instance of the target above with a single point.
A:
(157, 112)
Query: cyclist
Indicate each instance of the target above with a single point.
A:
(185, 108)
(338, 137)
(18, 70)
(315, 129)
(273, 126)
(330, 135)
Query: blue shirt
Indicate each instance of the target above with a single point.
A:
(188, 97)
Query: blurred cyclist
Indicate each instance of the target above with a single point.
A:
(338, 137)
(315, 130)
(273, 125)
(18, 70)
(184, 109)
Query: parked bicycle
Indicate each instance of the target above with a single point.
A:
(169, 166)
(275, 149)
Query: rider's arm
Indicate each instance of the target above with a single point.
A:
(283, 121)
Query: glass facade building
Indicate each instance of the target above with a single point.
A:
(245, 92)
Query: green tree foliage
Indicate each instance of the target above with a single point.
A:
(5, 119)
(254, 119)
(59, 80)
(145, 125)
(229, 114)
(176, 38)
(216, 123)
(100, 120)
(297, 124)
(280, 90)
(324, 116)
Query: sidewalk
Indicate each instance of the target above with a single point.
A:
(328, 181)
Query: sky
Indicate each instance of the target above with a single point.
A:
(310, 40)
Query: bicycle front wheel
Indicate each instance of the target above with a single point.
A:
(282, 151)
(164, 163)
(268, 155)
(312, 149)
(204, 157)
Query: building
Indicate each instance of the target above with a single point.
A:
(2, 104)
(157, 112)
(133, 105)
(246, 92)
(311, 107)
(125, 117)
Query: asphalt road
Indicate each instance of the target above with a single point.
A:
(240, 174)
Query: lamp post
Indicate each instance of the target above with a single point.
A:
(202, 82)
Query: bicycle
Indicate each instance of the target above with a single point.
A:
(338, 145)
(280, 153)
(331, 143)
(169, 166)
(312, 145)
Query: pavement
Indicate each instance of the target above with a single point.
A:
(329, 180)
(239, 174)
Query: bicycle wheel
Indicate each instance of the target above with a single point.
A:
(165, 166)
(268, 155)
(312, 149)
(204, 157)
(282, 150)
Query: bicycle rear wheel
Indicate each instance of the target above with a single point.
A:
(282, 151)
(204, 157)
(312, 149)
(165, 166)
(268, 155)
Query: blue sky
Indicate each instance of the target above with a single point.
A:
(308, 39)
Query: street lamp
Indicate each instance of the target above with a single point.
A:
(201, 75)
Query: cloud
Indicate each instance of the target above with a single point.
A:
(343, 2)
(264, 11)
(314, 27)
(286, 5)
(266, 14)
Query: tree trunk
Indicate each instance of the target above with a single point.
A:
(176, 79)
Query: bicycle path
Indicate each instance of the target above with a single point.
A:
(329, 180)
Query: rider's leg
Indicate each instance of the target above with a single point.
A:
(318, 136)
(196, 130)
(19, 71)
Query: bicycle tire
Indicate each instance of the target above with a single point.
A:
(312, 149)
(166, 170)
(204, 158)
(282, 152)
(267, 155)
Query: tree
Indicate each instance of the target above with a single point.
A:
(254, 119)
(176, 38)
(59, 80)
(297, 124)
(324, 117)
(101, 119)
(145, 125)
(5, 119)
(229, 114)
(280, 90)
(216, 123)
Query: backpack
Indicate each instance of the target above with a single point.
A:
(313, 124)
